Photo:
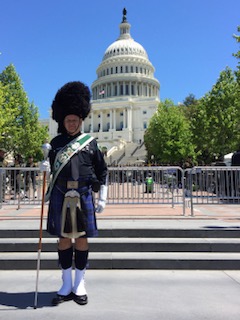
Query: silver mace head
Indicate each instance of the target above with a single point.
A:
(46, 147)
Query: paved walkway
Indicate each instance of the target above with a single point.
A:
(128, 294)
(133, 216)
(125, 294)
(143, 211)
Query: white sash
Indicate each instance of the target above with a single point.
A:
(64, 155)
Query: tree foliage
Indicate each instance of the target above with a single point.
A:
(215, 125)
(190, 100)
(20, 129)
(204, 129)
(168, 137)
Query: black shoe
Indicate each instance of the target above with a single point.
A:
(80, 299)
(59, 299)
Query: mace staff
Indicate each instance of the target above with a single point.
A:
(45, 168)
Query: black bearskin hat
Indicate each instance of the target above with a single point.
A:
(73, 98)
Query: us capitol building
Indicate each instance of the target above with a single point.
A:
(125, 96)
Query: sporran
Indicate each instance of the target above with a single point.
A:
(73, 219)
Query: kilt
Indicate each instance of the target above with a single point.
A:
(55, 210)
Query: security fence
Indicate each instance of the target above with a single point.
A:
(20, 185)
(212, 185)
(126, 185)
(137, 185)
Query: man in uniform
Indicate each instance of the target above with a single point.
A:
(78, 168)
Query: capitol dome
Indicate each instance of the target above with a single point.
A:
(125, 96)
(125, 69)
(125, 45)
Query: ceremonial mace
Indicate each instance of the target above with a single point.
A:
(46, 147)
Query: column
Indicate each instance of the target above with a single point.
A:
(111, 120)
(124, 118)
(114, 120)
(92, 115)
(129, 118)
(101, 121)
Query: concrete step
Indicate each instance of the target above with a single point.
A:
(128, 260)
(129, 245)
(213, 232)
(213, 248)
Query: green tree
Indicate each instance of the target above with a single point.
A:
(237, 55)
(21, 131)
(190, 100)
(215, 125)
(190, 107)
(168, 136)
(237, 72)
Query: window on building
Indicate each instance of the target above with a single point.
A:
(132, 90)
(138, 90)
(121, 89)
(127, 89)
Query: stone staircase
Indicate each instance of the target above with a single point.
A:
(191, 249)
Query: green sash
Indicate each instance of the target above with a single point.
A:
(64, 155)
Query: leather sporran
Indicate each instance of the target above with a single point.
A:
(73, 218)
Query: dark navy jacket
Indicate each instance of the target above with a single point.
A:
(90, 159)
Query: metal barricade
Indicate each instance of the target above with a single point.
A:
(20, 185)
(130, 185)
(212, 185)
(127, 185)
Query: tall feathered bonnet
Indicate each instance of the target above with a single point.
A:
(73, 98)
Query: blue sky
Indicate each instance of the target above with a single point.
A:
(51, 42)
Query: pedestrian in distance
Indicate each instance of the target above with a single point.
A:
(3, 177)
(31, 177)
(77, 170)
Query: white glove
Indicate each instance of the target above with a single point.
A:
(44, 166)
(102, 198)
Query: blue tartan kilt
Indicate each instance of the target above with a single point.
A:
(55, 210)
